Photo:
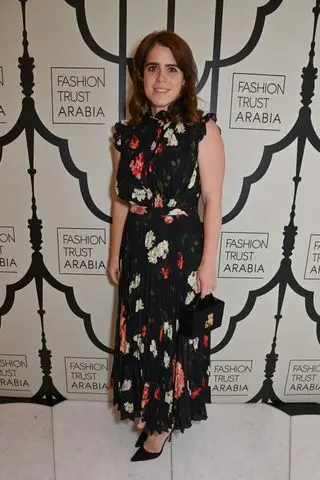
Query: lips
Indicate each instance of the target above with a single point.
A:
(161, 90)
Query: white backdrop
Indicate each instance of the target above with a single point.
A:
(54, 295)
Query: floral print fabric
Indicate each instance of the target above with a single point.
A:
(157, 374)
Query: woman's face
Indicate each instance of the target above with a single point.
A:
(162, 78)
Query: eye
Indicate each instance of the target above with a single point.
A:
(151, 68)
(173, 69)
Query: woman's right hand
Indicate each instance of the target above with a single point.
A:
(113, 270)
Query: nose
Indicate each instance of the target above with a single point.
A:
(162, 76)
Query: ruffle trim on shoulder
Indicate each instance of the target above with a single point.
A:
(119, 133)
(200, 128)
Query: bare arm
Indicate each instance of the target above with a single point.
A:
(212, 168)
(119, 212)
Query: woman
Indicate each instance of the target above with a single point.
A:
(160, 253)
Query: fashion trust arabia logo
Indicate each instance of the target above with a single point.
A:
(78, 95)
(8, 261)
(243, 254)
(81, 251)
(257, 101)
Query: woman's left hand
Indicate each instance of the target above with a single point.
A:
(206, 279)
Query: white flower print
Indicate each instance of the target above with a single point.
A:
(180, 127)
(171, 138)
(172, 142)
(152, 255)
(168, 133)
(137, 338)
(153, 145)
(126, 385)
(166, 360)
(160, 250)
(135, 283)
(169, 398)
(167, 328)
(139, 194)
(189, 298)
(128, 407)
(172, 203)
(177, 211)
(127, 347)
(139, 305)
(153, 348)
(194, 342)
(188, 387)
(192, 280)
(136, 354)
(149, 239)
(193, 178)
(149, 193)
(163, 249)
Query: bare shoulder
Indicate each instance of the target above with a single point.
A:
(211, 160)
(212, 140)
(212, 131)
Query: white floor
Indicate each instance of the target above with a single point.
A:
(81, 441)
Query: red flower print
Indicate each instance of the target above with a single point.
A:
(158, 132)
(143, 331)
(180, 260)
(179, 381)
(150, 167)
(138, 209)
(161, 333)
(123, 330)
(174, 361)
(140, 157)
(136, 165)
(205, 341)
(158, 201)
(145, 395)
(157, 394)
(159, 149)
(134, 142)
(196, 392)
(167, 218)
(165, 272)
(204, 383)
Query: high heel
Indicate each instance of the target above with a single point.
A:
(142, 454)
(141, 439)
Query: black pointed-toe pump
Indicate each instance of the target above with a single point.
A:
(142, 454)
(141, 439)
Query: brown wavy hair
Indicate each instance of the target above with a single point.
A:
(185, 107)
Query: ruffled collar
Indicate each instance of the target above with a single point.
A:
(162, 115)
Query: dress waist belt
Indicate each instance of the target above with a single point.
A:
(176, 211)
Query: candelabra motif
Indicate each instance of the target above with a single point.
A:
(29, 122)
(301, 132)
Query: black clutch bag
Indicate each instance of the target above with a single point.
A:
(201, 316)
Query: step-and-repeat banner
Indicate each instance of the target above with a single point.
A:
(63, 83)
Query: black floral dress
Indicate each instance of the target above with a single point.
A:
(157, 374)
